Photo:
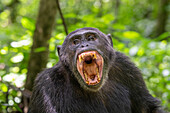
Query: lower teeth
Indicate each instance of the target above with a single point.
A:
(85, 75)
(92, 77)
(87, 82)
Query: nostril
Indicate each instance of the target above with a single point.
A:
(82, 46)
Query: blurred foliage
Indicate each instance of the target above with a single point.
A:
(130, 28)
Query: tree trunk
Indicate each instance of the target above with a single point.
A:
(13, 8)
(40, 48)
(39, 57)
(117, 5)
(100, 13)
(162, 17)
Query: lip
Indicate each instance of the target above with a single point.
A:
(94, 69)
(85, 50)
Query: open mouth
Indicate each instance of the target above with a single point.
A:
(90, 66)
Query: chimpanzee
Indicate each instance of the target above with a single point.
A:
(91, 77)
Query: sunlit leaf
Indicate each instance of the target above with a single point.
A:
(108, 18)
(60, 36)
(17, 58)
(52, 47)
(4, 51)
(14, 69)
(40, 49)
(28, 23)
(24, 71)
(119, 26)
(4, 88)
(20, 43)
(131, 34)
(4, 15)
(141, 52)
(10, 77)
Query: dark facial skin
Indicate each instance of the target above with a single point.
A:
(91, 77)
(87, 40)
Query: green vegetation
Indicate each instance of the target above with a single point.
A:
(132, 24)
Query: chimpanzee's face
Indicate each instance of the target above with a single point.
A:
(87, 52)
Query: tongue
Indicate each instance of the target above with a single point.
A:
(90, 69)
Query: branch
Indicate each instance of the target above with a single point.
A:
(7, 94)
(27, 93)
(61, 15)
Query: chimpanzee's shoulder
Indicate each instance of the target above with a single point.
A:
(121, 57)
(51, 75)
(126, 64)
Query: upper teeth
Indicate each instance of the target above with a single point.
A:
(92, 54)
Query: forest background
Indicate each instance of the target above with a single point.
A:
(30, 31)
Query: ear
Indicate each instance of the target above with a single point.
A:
(58, 49)
(110, 39)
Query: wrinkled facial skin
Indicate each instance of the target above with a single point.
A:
(88, 53)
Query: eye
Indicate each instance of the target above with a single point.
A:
(91, 37)
(76, 41)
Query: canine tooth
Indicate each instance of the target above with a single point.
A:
(87, 82)
(80, 59)
(91, 54)
(83, 56)
(98, 78)
(95, 57)
(85, 75)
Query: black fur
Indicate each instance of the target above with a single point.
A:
(57, 90)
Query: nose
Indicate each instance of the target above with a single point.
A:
(84, 45)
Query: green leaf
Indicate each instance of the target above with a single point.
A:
(70, 15)
(40, 49)
(119, 26)
(163, 36)
(131, 34)
(4, 88)
(28, 23)
(108, 18)
(17, 107)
